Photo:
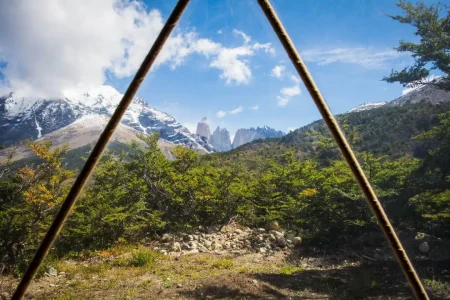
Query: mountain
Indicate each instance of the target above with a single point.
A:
(220, 139)
(22, 118)
(422, 94)
(385, 130)
(367, 106)
(203, 129)
(244, 136)
(81, 135)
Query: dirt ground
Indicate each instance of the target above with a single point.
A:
(286, 275)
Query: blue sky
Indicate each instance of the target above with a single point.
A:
(233, 71)
(194, 90)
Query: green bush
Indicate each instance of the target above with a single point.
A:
(143, 257)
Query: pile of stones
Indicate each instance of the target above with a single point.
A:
(232, 239)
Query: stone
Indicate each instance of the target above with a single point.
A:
(166, 237)
(188, 238)
(297, 240)
(216, 246)
(262, 250)
(290, 236)
(202, 249)
(62, 274)
(4, 296)
(176, 247)
(185, 246)
(179, 285)
(193, 245)
(424, 247)
(207, 243)
(238, 231)
(52, 271)
(272, 238)
(260, 230)
(163, 251)
(273, 226)
(281, 241)
(193, 251)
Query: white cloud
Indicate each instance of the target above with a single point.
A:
(267, 47)
(219, 31)
(236, 110)
(366, 57)
(230, 61)
(291, 91)
(246, 38)
(221, 114)
(282, 101)
(75, 42)
(256, 107)
(295, 78)
(278, 71)
(287, 93)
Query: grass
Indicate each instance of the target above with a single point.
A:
(438, 286)
(143, 257)
(222, 264)
(290, 269)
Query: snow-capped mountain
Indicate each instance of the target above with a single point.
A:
(368, 106)
(425, 93)
(85, 131)
(244, 136)
(22, 118)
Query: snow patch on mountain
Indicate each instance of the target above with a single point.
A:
(368, 106)
(22, 118)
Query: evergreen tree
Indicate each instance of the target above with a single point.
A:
(432, 24)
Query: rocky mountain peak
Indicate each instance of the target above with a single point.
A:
(244, 136)
(22, 118)
(220, 139)
(203, 129)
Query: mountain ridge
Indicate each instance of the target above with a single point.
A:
(22, 118)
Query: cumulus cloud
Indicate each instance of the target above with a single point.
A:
(222, 113)
(282, 101)
(295, 78)
(278, 71)
(230, 61)
(290, 91)
(287, 93)
(366, 57)
(75, 43)
(236, 110)
(246, 38)
(256, 107)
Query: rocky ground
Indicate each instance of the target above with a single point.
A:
(231, 239)
(240, 263)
